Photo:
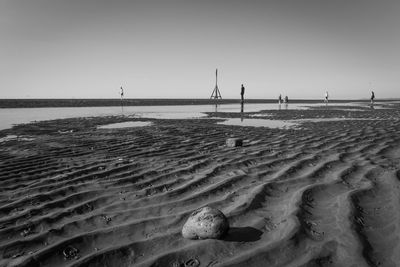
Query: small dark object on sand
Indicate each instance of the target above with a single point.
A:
(234, 142)
(71, 253)
(189, 263)
(106, 218)
(192, 263)
(28, 230)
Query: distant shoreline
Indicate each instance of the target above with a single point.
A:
(48, 103)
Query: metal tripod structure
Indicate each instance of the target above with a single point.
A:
(216, 93)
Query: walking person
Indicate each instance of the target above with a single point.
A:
(372, 97)
(242, 93)
(122, 99)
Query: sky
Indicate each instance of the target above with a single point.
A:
(171, 48)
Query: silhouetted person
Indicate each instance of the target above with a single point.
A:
(372, 97)
(122, 92)
(280, 99)
(242, 92)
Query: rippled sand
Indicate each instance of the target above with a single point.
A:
(323, 194)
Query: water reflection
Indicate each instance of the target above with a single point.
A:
(10, 116)
(216, 110)
(258, 123)
(283, 124)
(126, 124)
(241, 111)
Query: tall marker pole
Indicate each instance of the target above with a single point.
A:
(216, 93)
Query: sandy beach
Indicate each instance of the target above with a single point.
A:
(323, 193)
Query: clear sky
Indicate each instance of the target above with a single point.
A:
(170, 48)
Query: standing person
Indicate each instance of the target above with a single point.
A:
(286, 99)
(326, 97)
(122, 99)
(372, 97)
(242, 92)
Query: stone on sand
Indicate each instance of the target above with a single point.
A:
(234, 142)
(205, 223)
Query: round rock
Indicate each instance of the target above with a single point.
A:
(204, 223)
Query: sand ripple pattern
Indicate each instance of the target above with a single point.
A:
(325, 194)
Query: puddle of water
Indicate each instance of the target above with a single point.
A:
(280, 123)
(376, 105)
(354, 109)
(260, 115)
(14, 137)
(259, 123)
(330, 119)
(8, 138)
(12, 116)
(171, 115)
(126, 124)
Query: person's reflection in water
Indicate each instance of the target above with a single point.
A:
(216, 110)
(241, 111)
(286, 101)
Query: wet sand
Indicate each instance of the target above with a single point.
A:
(43, 103)
(321, 194)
